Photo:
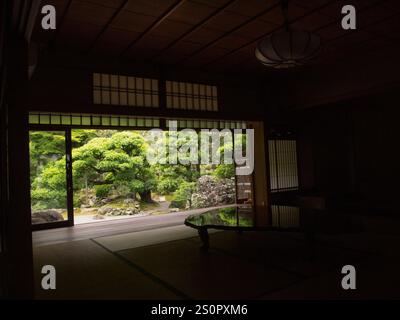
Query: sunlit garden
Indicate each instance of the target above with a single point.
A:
(112, 178)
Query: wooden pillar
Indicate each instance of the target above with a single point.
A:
(18, 17)
(260, 170)
(17, 241)
(3, 181)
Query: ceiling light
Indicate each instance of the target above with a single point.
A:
(288, 48)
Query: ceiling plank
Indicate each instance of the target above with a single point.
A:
(193, 29)
(106, 26)
(270, 32)
(376, 3)
(370, 6)
(154, 25)
(352, 32)
(247, 21)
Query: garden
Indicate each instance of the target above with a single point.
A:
(111, 177)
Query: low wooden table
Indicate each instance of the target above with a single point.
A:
(280, 218)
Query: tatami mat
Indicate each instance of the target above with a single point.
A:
(284, 252)
(367, 242)
(146, 238)
(207, 276)
(375, 279)
(167, 263)
(84, 270)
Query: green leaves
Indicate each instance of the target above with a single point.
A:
(183, 194)
(113, 163)
(224, 171)
(102, 190)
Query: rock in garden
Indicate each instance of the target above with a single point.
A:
(212, 191)
(46, 216)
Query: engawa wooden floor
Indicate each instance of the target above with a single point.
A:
(107, 228)
(166, 263)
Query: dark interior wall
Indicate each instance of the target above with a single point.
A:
(323, 148)
(352, 147)
(346, 115)
(376, 147)
(372, 73)
(65, 84)
(58, 88)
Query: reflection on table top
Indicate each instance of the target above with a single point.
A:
(279, 218)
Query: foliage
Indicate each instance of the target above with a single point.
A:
(49, 188)
(44, 146)
(110, 162)
(79, 137)
(169, 177)
(119, 160)
(183, 195)
(224, 171)
(168, 185)
(102, 190)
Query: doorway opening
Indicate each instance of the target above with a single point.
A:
(50, 178)
(85, 175)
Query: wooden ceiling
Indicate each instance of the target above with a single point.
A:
(213, 34)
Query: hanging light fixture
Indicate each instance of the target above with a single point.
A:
(288, 48)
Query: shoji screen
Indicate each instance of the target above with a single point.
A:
(191, 96)
(125, 90)
(283, 165)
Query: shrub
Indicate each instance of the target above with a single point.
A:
(102, 190)
(183, 195)
(43, 198)
(168, 185)
(224, 171)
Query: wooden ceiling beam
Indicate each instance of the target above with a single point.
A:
(193, 29)
(378, 2)
(247, 21)
(154, 25)
(107, 25)
(374, 4)
(350, 32)
(268, 33)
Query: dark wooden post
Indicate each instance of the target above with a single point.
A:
(17, 222)
(17, 261)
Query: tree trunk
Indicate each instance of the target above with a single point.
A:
(146, 196)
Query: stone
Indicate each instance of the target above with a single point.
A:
(46, 216)
(105, 201)
(212, 191)
(110, 211)
(105, 210)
